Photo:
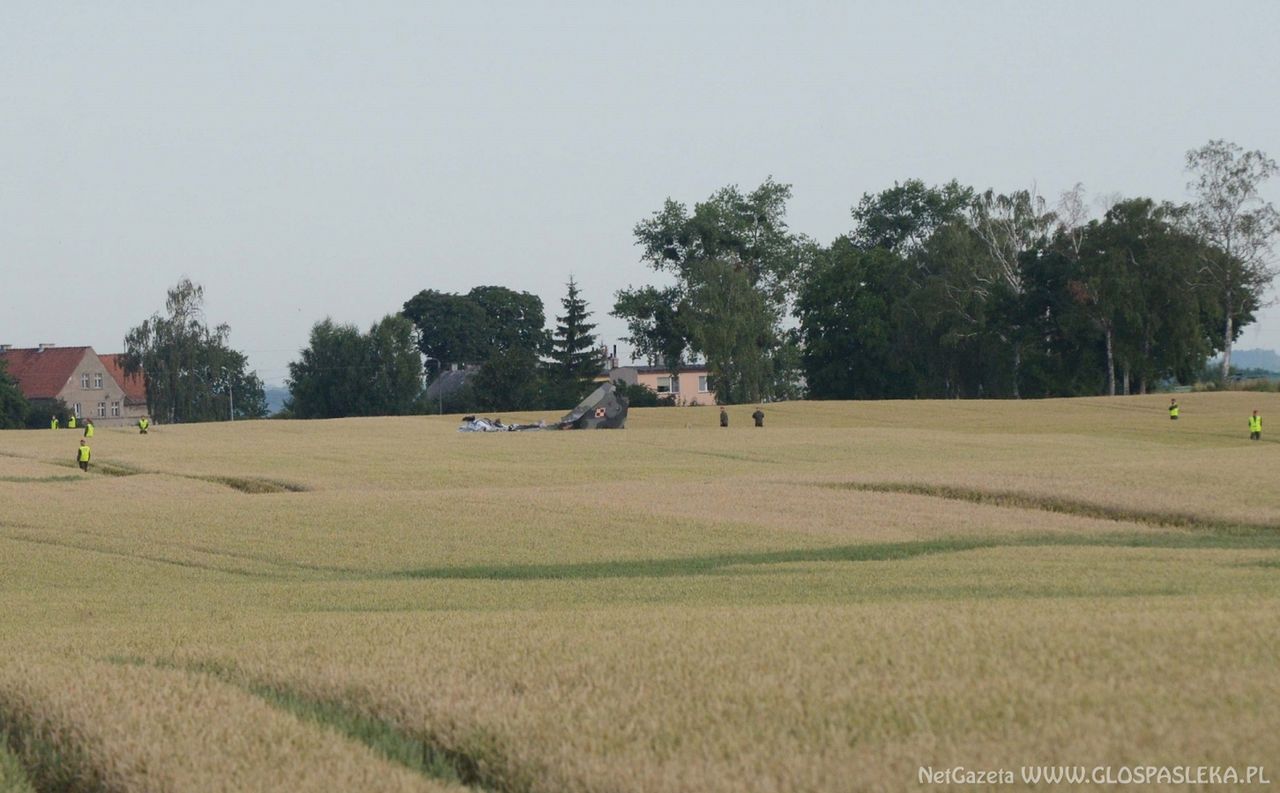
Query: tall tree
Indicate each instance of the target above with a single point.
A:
(1238, 226)
(189, 372)
(728, 243)
(575, 359)
(846, 307)
(343, 372)
(658, 327)
(1011, 225)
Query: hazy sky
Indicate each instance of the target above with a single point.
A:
(304, 159)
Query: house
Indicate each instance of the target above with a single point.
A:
(689, 385)
(88, 384)
(135, 388)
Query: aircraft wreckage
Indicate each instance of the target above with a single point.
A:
(604, 409)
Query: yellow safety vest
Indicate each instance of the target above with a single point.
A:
(143, 424)
(88, 430)
(53, 424)
(1255, 424)
(71, 423)
(84, 454)
(1173, 411)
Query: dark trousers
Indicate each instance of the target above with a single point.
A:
(84, 465)
(1255, 436)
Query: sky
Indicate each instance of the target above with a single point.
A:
(303, 160)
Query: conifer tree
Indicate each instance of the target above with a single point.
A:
(575, 362)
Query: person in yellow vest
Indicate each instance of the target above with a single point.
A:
(71, 421)
(1173, 409)
(53, 422)
(88, 428)
(82, 455)
(143, 423)
(1255, 427)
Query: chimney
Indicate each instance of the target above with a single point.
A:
(44, 347)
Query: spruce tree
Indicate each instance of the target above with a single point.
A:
(575, 362)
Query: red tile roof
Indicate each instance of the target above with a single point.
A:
(135, 390)
(42, 374)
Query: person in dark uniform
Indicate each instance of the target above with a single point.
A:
(759, 417)
(1173, 409)
(724, 417)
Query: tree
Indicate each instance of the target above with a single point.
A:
(1011, 225)
(846, 308)
(903, 218)
(14, 407)
(575, 359)
(659, 330)
(345, 373)
(730, 245)
(189, 372)
(1238, 227)
(510, 380)
(467, 329)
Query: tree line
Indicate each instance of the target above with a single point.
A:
(945, 291)
(935, 291)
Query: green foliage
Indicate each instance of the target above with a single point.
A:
(846, 308)
(733, 260)
(575, 358)
(346, 373)
(659, 330)
(14, 408)
(43, 410)
(467, 329)
(639, 396)
(511, 379)
(190, 372)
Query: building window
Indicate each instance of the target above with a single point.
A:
(115, 409)
(84, 380)
(668, 385)
(102, 410)
(97, 380)
(76, 409)
(702, 384)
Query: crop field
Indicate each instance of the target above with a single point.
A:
(829, 603)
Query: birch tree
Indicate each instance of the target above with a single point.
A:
(1237, 226)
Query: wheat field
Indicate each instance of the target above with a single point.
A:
(825, 604)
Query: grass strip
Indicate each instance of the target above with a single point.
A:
(866, 552)
(30, 479)
(104, 468)
(13, 777)
(421, 755)
(42, 758)
(245, 484)
(252, 485)
(1064, 505)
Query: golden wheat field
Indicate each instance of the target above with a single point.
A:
(829, 603)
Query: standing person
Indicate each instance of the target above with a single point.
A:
(1255, 427)
(53, 422)
(88, 428)
(82, 455)
(759, 417)
(724, 417)
(71, 421)
(143, 423)
(1173, 409)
